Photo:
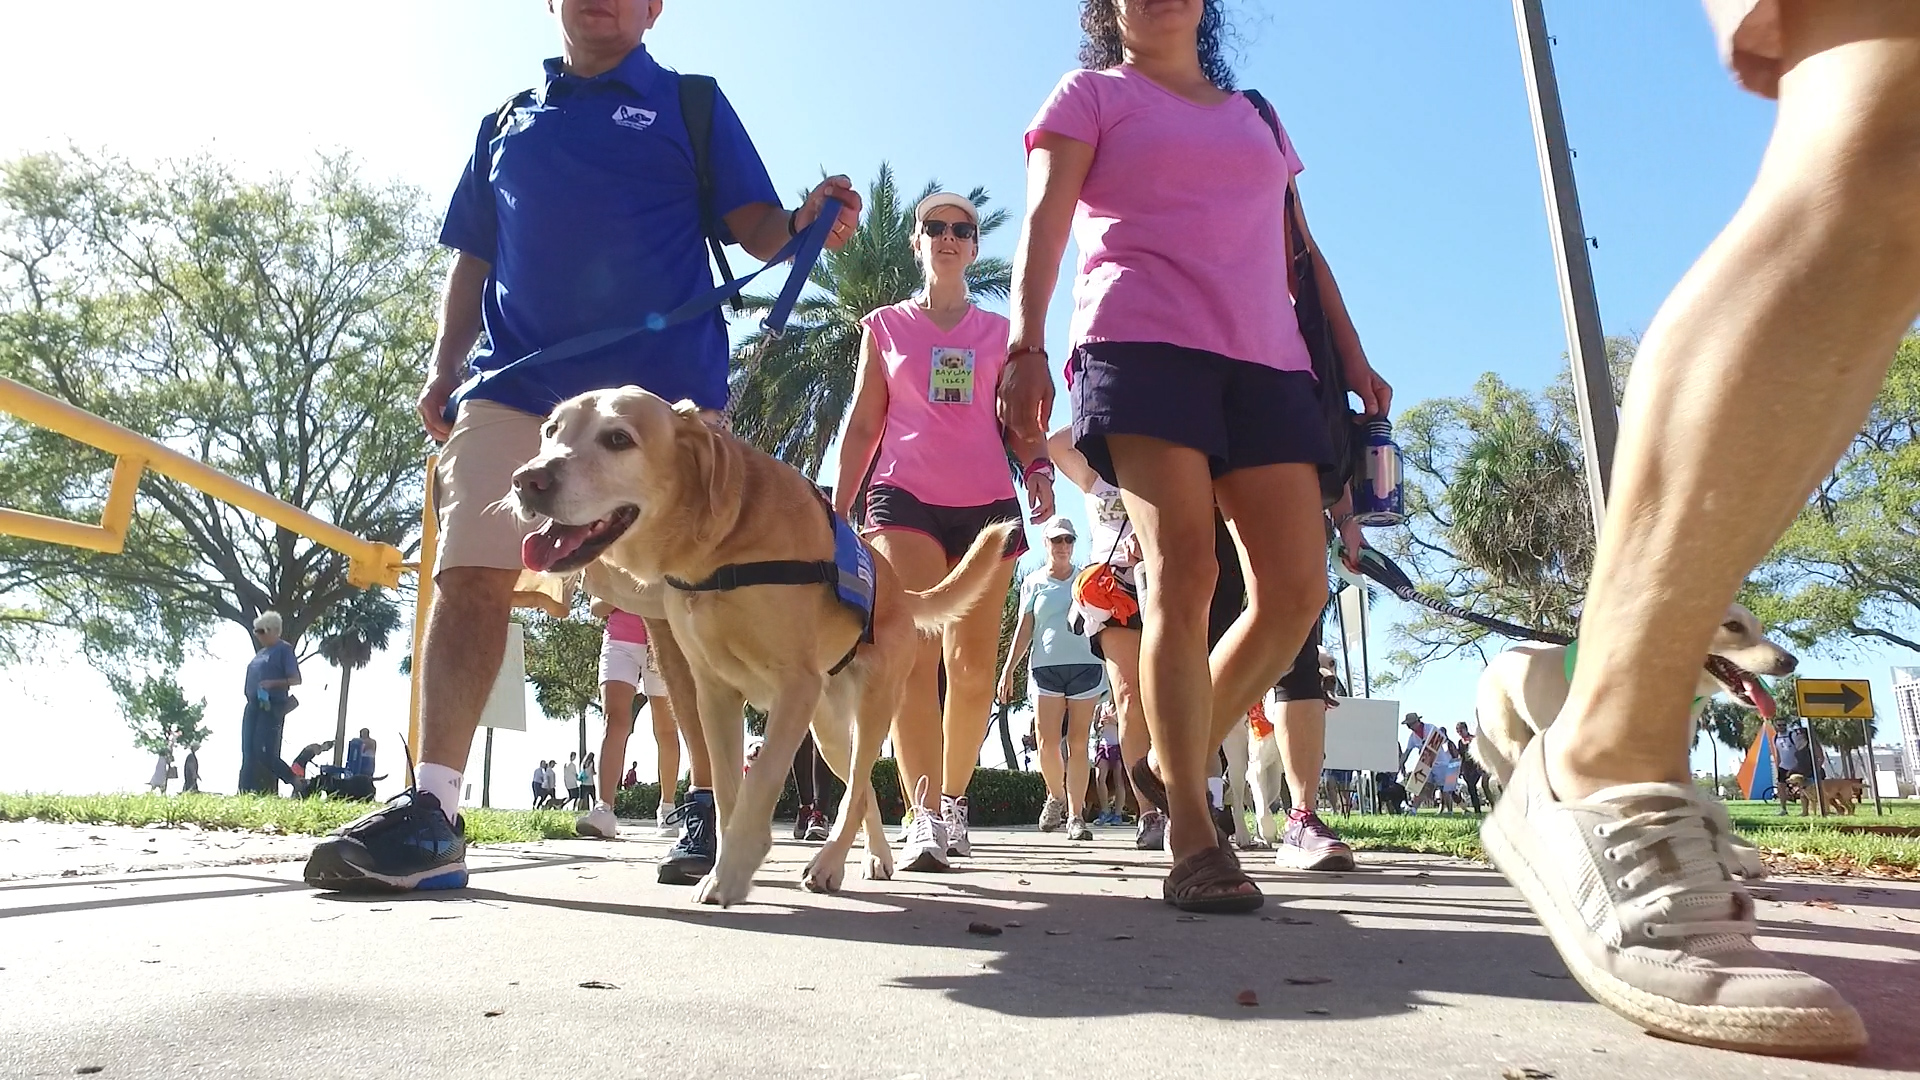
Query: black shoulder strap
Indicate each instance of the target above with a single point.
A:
(697, 94)
(1265, 108)
(504, 114)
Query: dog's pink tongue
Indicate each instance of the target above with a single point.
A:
(1762, 700)
(539, 551)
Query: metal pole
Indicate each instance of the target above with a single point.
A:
(1873, 770)
(1818, 767)
(1586, 347)
(486, 774)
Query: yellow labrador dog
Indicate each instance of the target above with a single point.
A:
(653, 491)
(1523, 688)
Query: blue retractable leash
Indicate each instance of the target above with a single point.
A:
(804, 249)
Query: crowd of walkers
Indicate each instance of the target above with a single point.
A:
(1198, 435)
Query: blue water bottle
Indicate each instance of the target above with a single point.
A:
(1378, 497)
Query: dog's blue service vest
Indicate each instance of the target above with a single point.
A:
(850, 573)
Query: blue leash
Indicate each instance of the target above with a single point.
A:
(804, 249)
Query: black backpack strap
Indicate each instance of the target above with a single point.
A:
(697, 95)
(504, 115)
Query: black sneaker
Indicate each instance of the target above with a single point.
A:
(692, 858)
(406, 844)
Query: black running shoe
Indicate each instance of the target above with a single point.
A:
(692, 858)
(405, 845)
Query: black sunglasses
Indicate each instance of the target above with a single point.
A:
(962, 230)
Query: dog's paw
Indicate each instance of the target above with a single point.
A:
(879, 866)
(713, 889)
(823, 875)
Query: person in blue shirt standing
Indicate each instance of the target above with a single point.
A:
(581, 210)
(274, 669)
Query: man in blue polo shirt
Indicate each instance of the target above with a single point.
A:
(580, 211)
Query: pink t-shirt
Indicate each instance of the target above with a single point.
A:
(942, 440)
(1181, 223)
(627, 627)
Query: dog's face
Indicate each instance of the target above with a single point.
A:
(1739, 653)
(605, 459)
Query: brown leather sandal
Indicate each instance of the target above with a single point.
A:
(1147, 784)
(1209, 882)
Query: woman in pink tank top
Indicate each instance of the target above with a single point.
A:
(925, 428)
(1192, 384)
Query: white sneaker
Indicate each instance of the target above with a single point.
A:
(906, 827)
(1077, 829)
(598, 823)
(1053, 814)
(954, 813)
(925, 848)
(1633, 889)
(667, 827)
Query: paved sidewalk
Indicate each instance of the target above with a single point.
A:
(1411, 967)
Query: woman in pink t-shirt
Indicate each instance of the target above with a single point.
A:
(924, 420)
(1192, 385)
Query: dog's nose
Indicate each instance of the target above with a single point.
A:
(1788, 663)
(533, 479)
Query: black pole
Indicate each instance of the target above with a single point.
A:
(486, 773)
(1873, 770)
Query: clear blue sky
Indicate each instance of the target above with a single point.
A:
(1421, 174)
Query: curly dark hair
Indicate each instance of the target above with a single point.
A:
(1101, 48)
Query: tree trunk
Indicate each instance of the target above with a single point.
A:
(340, 721)
(583, 736)
(1714, 743)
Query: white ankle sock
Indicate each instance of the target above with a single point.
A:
(442, 783)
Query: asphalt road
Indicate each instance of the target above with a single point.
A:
(159, 955)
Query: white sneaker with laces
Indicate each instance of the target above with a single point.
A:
(954, 811)
(906, 827)
(1077, 829)
(925, 849)
(1053, 814)
(598, 823)
(666, 827)
(1633, 888)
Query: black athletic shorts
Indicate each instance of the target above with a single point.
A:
(1068, 680)
(1302, 682)
(1240, 414)
(952, 527)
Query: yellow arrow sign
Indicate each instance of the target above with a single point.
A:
(1850, 698)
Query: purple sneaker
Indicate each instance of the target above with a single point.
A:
(1308, 844)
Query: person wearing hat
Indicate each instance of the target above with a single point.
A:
(925, 432)
(1065, 678)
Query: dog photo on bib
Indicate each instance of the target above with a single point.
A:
(951, 378)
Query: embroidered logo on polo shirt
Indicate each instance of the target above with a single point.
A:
(634, 116)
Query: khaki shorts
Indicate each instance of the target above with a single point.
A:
(1750, 44)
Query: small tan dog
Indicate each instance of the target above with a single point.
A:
(652, 490)
(1523, 688)
(1843, 793)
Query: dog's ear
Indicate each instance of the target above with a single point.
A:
(718, 470)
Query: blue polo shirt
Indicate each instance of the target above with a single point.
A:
(586, 207)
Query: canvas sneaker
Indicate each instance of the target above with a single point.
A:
(1632, 886)
(405, 845)
(954, 811)
(598, 823)
(692, 857)
(1150, 831)
(1053, 814)
(1308, 843)
(925, 849)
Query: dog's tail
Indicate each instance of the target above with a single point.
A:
(965, 585)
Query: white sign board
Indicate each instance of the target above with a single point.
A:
(1363, 734)
(507, 702)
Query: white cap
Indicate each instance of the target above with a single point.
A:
(1060, 526)
(946, 198)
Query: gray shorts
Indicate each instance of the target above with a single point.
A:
(1749, 35)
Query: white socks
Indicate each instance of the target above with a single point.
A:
(442, 783)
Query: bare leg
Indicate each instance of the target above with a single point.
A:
(918, 740)
(1122, 647)
(1048, 711)
(682, 702)
(972, 649)
(666, 739)
(1751, 380)
(1302, 735)
(466, 639)
(616, 708)
(1078, 772)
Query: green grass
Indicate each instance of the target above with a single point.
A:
(259, 813)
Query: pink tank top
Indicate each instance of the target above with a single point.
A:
(942, 439)
(623, 626)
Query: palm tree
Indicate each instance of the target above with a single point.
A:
(352, 632)
(790, 392)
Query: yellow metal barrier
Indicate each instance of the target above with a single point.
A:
(371, 563)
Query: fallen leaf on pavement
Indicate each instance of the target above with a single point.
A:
(1526, 1072)
(1318, 1012)
(1121, 937)
(1288, 921)
(1191, 918)
(1549, 974)
(1307, 980)
(983, 929)
(1247, 998)
(1058, 933)
(494, 1012)
(1015, 924)
(596, 984)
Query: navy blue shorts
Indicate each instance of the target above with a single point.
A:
(1241, 415)
(954, 528)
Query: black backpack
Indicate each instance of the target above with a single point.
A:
(697, 94)
(1344, 431)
